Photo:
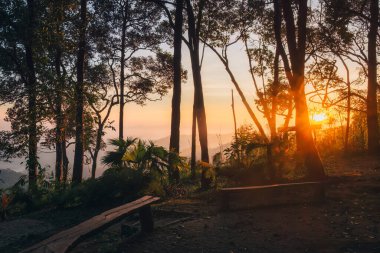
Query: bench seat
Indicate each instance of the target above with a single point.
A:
(67, 239)
(267, 195)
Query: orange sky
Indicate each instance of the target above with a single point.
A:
(152, 121)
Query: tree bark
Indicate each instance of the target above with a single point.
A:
(276, 86)
(79, 97)
(32, 97)
(304, 137)
(193, 32)
(122, 74)
(193, 141)
(176, 100)
(372, 119)
(59, 142)
(235, 125)
(65, 158)
(96, 150)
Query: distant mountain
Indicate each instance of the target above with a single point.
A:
(216, 142)
(11, 174)
(8, 178)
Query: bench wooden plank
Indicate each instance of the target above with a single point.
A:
(267, 195)
(67, 239)
(269, 186)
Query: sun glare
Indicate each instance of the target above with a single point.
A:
(319, 117)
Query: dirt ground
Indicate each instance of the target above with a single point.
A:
(348, 220)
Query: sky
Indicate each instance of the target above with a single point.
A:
(152, 121)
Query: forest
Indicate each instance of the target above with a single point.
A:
(300, 173)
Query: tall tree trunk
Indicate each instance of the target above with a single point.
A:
(59, 86)
(372, 119)
(176, 100)
(193, 158)
(305, 141)
(275, 91)
(32, 97)
(65, 158)
(59, 142)
(122, 73)
(200, 109)
(235, 125)
(193, 32)
(97, 149)
(348, 111)
(348, 119)
(79, 97)
(233, 113)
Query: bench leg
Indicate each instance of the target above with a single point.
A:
(146, 219)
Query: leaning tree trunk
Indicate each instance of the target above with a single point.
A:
(176, 100)
(79, 97)
(32, 97)
(372, 119)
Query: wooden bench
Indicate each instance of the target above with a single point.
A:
(267, 195)
(67, 239)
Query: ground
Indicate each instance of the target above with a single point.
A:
(348, 220)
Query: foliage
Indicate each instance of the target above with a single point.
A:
(245, 149)
(246, 158)
(114, 158)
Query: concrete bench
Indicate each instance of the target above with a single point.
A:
(68, 239)
(267, 195)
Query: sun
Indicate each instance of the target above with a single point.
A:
(319, 117)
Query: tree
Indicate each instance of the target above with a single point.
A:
(20, 55)
(134, 29)
(294, 65)
(372, 114)
(151, 81)
(79, 96)
(58, 48)
(177, 73)
(359, 19)
(194, 29)
(32, 94)
(247, 24)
